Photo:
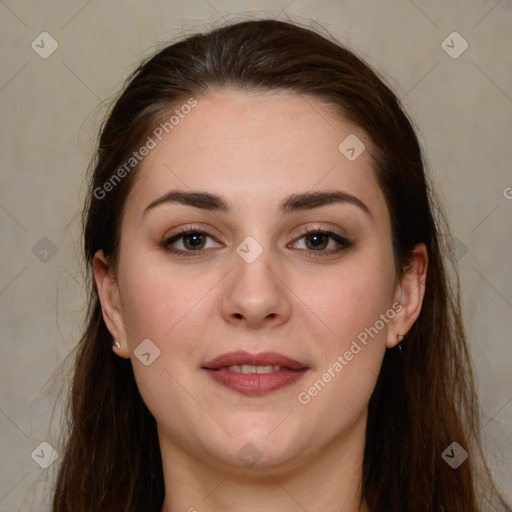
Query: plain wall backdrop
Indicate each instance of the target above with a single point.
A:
(52, 108)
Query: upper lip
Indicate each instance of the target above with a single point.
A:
(262, 359)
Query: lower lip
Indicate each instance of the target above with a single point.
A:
(255, 384)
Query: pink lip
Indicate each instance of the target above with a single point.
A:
(257, 383)
(261, 359)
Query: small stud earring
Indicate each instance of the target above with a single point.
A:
(116, 344)
(399, 338)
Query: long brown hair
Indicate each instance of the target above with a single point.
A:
(425, 396)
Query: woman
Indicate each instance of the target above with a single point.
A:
(271, 323)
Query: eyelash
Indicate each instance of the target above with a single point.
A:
(343, 242)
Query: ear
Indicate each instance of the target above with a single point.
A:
(409, 293)
(108, 293)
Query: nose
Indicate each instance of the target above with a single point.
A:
(256, 293)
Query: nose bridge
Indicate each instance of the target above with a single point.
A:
(255, 290)
(254, 263)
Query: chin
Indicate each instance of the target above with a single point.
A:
(260, 448)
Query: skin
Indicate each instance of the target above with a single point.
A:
(255, 150)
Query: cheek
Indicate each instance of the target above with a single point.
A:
(351, 300)
(167, 309)
(351, 358)
(355, 308)
(160, 304)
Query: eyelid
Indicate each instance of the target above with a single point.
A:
(343, 242)
(183, 231)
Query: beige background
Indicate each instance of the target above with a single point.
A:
(52, 108)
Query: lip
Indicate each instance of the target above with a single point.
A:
(261, 359)
(256, 383)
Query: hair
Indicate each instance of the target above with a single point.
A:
(424, 398)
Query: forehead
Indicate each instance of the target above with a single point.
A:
(256, 149)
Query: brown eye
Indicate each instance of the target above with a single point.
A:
(318, 241)
(193, 243)
(194, 240)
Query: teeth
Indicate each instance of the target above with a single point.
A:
(248, 368)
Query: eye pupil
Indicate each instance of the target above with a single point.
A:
(194, 242)
(316, 237)
(197, 240)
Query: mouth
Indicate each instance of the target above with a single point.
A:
(254, 374)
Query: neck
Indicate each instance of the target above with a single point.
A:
(331, 481)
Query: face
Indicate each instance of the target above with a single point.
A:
(266, 323)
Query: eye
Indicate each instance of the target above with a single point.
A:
(317, 240)
(192, 241)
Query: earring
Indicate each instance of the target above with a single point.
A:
(116, 344)
(399, 338)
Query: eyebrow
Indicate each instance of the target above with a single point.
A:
(292, 203)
